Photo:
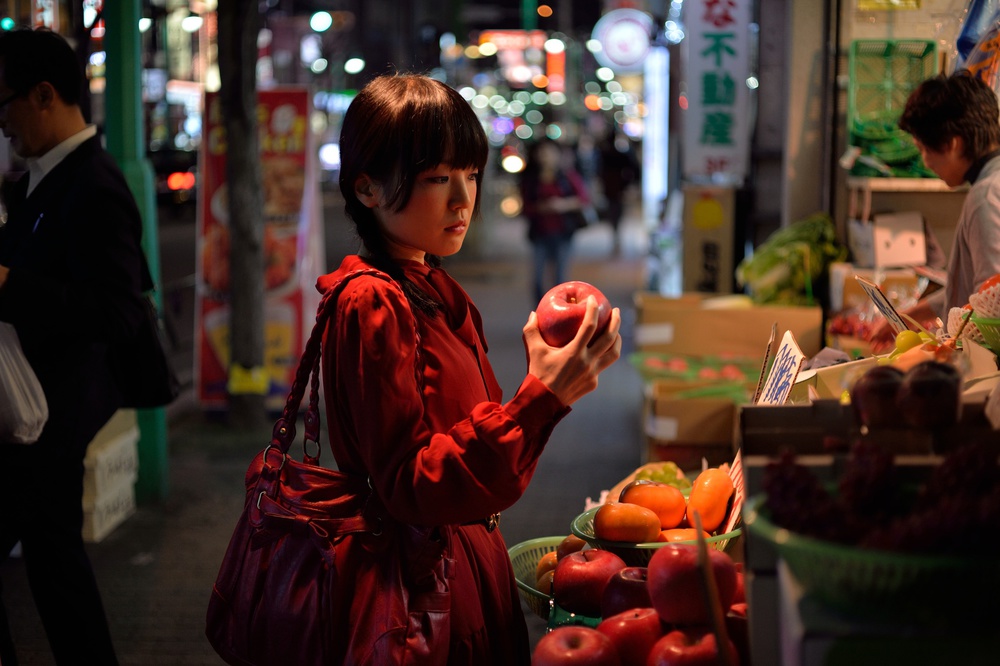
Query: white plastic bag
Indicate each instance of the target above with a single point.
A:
(23, 409)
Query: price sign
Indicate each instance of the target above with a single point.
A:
(882, 304)
(785, 369)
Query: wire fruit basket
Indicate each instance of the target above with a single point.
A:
(863, 581)
(637, 554)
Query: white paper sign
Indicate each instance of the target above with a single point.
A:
(785, 369)
(882, 304)
(716, 66)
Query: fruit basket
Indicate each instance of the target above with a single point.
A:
(990, 328)
(863, 581)
(524, 558)
(636, 554)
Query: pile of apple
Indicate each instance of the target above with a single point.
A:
(656, 615)
(648, 511)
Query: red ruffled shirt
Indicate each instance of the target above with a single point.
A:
(412, 402)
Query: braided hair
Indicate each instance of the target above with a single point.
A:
(397, 127)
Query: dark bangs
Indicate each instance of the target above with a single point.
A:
(436, 125)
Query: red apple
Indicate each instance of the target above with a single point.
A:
(625, 590)
(740, 595)
(575, 645)
(563, 308)
(581, 577)
(633, 632)
(675, 584)
(688, 647)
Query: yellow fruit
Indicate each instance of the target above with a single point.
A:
(907, 340)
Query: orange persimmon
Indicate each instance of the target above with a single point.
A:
(710, 498)
(622, 521)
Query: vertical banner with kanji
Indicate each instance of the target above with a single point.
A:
(716, 67)
(292, 245)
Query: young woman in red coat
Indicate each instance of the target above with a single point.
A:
(411, 400)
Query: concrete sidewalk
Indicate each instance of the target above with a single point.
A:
(156, 570)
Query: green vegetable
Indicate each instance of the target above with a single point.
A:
(782, 270)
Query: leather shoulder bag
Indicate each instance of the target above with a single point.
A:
(316, 572)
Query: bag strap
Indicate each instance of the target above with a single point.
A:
(283, 433)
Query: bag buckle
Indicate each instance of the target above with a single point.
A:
(493, 521)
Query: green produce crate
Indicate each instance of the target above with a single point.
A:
(882, 74)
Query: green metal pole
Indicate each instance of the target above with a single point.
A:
(529, 14)
(125, 130)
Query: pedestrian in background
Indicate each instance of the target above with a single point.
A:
(619, 170)
(71, 280)
(554, 198)
(412, 403)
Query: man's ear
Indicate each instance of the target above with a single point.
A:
(45, 93)
(366, 190)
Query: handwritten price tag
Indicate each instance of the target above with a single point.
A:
(785, 369)
(882, 304)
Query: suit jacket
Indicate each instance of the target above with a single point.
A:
(75, 286)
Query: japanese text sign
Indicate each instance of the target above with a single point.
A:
(784, 371)
(882, 304)
(716, 69)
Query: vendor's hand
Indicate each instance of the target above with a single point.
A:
(571, 372)
(883, 337)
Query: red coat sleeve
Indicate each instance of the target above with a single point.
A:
(428, 468)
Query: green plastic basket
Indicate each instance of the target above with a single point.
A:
(882, 74)
(636, 554)
(990, 328)
(524, 558)
(866, 582)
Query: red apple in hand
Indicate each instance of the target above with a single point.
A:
(625, 590)
(675, 584)
(563, 308)
(580, 579)
(688, 647)
(634, 633)
(575, 645)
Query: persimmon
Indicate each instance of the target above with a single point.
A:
(570, 544)
(666, 501)
(544, 582)
(623, 521)
(680, 534)
(710, 498)
(546, 562)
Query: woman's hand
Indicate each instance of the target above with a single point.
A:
(571, 371)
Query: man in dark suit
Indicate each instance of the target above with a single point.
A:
(71, 281)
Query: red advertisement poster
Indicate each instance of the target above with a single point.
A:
(292, 247)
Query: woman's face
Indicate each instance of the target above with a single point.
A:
(437, 216)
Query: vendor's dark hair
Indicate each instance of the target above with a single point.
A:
(396, 128)
(947, 106)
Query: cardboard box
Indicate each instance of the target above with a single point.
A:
(685, 430)
(689, 324)
(900, 285)
(109, 510)
(112, 457)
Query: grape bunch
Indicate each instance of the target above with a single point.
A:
(666, 472)
(796, 500)
(955, 512)
(867, 488)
